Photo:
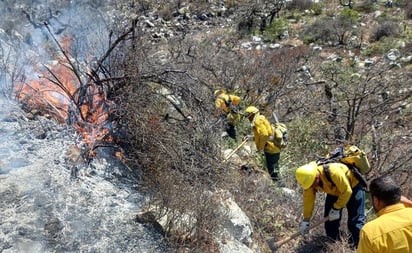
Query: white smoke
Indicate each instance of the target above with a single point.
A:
(27, 44)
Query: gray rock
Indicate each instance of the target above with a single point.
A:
(393, 54)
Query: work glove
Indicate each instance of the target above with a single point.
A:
(304, 227)
(248, 138)
(334, 214)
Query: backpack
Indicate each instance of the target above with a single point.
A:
(351, 156)
(230, 105)
(280, 133)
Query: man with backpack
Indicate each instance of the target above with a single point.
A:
(227, 107)
(265, 140)
(391, 231)
(342, 189)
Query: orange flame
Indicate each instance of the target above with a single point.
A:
(56, 92)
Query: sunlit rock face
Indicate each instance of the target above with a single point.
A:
(43, 209)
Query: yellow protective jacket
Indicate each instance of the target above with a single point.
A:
(222, 102)
(391, 232)
(262, 132)
(344, 181)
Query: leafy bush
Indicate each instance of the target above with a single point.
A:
(274, 31)
(297, 7)
(317, 8)
(349, 14)
(382, 46)
(304, 140)
(294, 15)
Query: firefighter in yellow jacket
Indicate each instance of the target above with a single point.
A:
(342, 189)
(263, 137)
(391, 231)
(227, 107)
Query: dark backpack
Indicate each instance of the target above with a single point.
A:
(230, 105)
(354, 158)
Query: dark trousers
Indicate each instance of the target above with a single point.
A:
(356, 215)
(231, 131)
(272, 165)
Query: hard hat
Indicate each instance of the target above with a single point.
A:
(219, 91)
(251, 110)
(306, 174)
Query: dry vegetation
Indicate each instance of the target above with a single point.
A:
(175, 138)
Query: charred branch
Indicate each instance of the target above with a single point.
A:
(31, 19)
(59, 84)
(120, 39)
(73, 68)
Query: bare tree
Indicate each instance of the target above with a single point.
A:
(365, 108)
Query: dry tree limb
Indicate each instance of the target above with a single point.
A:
(111, 48)
(73, 68)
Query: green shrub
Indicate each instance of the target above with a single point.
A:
(276, 29)
(308, 39)
(304, 134)
(382, 46)
(294, 14)
(349, 15)
(317, 8)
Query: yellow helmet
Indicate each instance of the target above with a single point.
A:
(218, 92)
(251, 110)
(306, 174)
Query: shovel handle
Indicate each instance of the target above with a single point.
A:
(293, 236)
(236, 149)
